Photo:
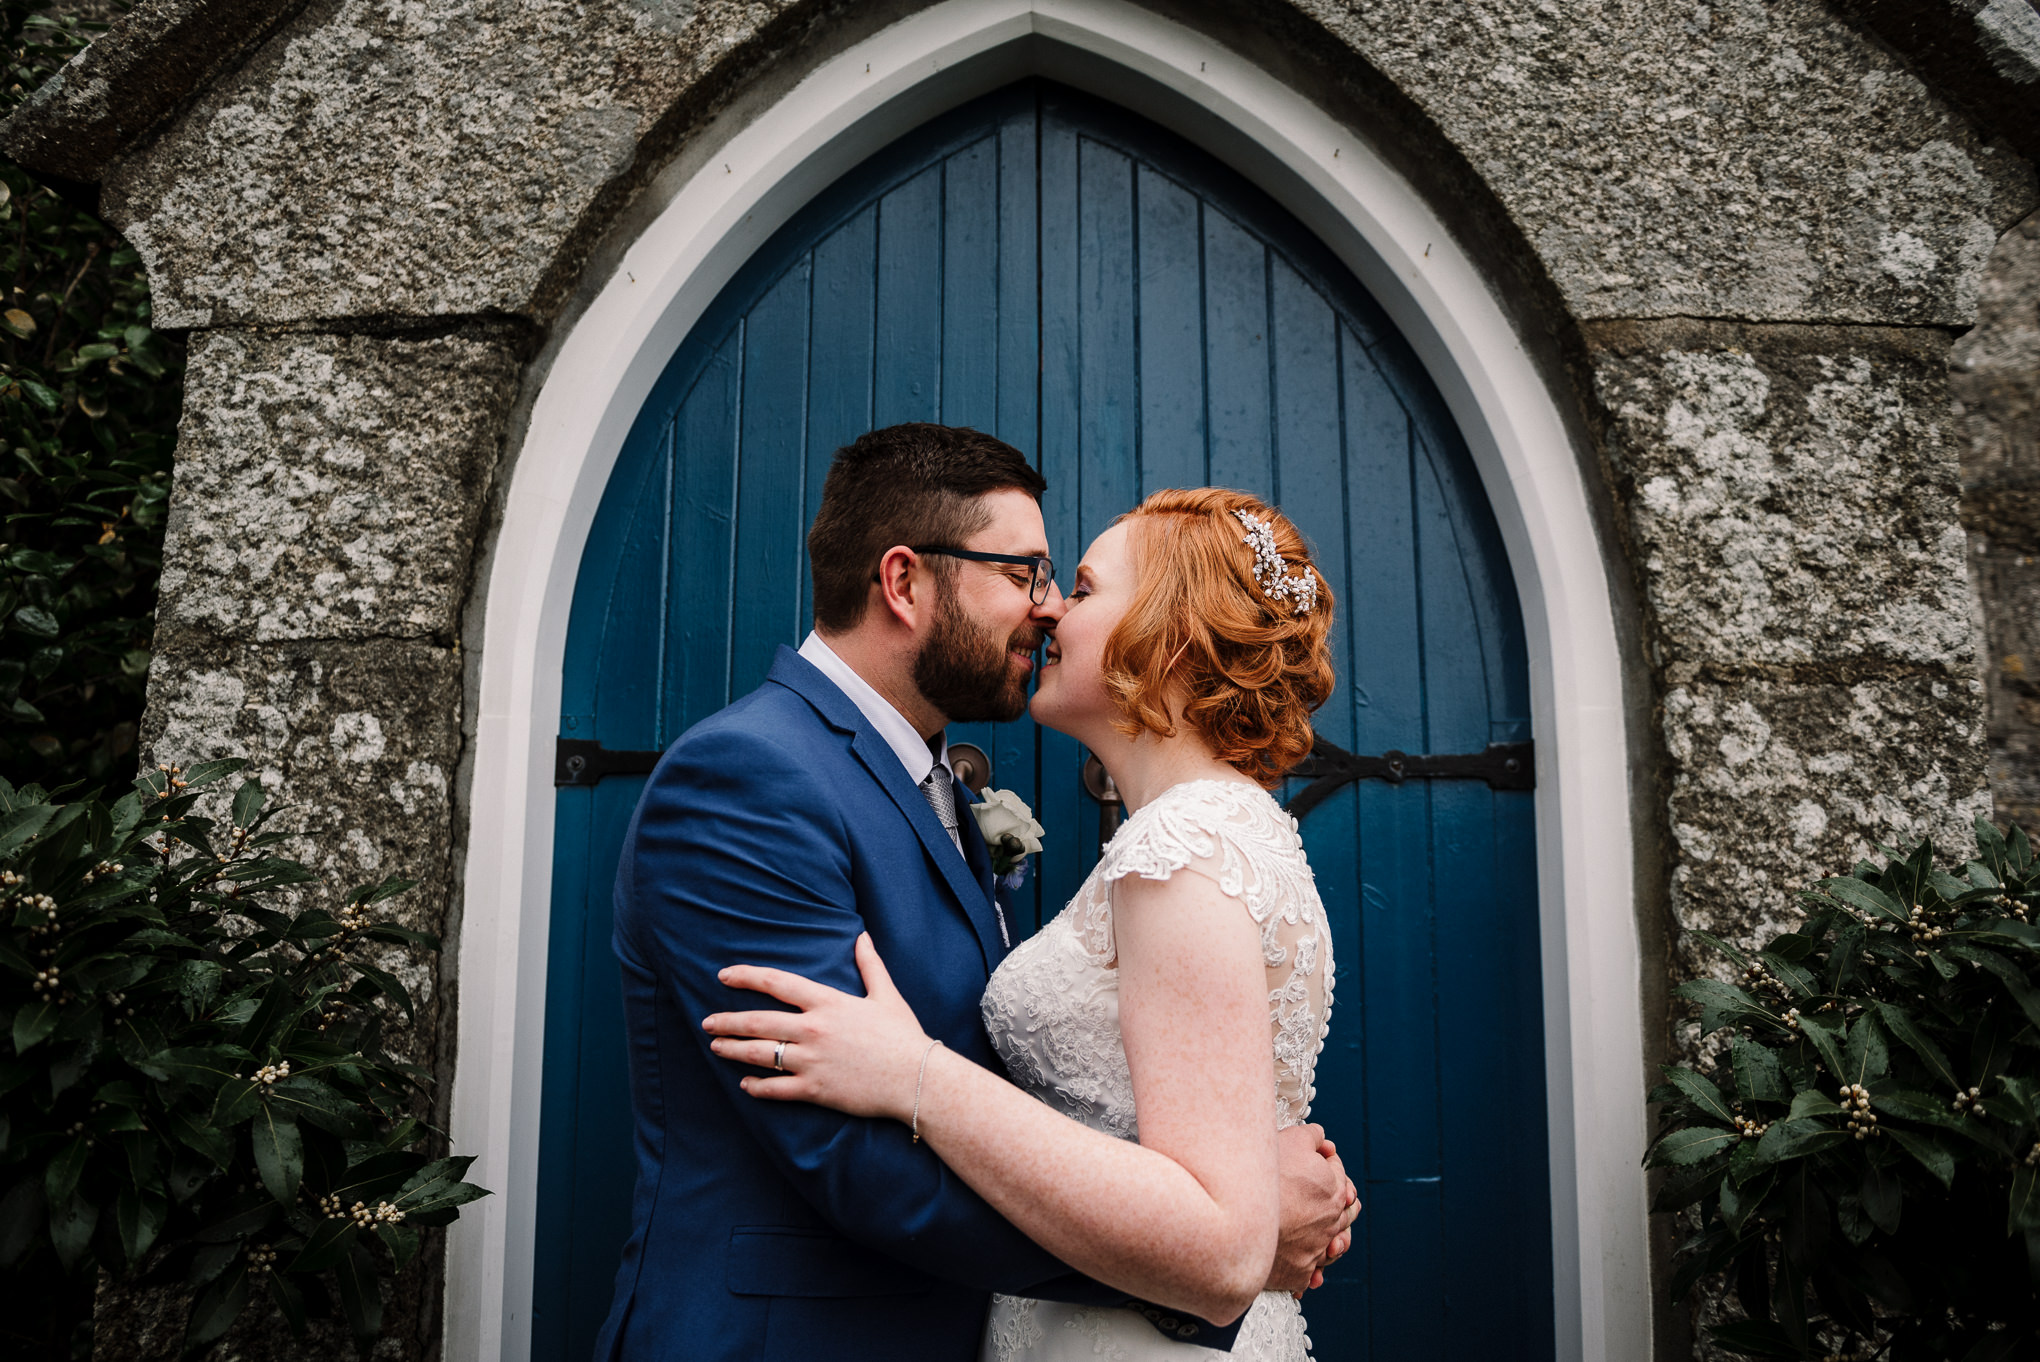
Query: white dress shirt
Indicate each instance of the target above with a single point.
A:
(904, 739)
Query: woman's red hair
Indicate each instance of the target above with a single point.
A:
(1246, 670)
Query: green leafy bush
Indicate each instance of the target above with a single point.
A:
(198, 1086)
(1865, 1162)
(89, 402)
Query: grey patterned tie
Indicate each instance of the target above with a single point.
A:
(940, 793)
(939, 789)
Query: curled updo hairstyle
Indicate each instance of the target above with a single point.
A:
(1246, 668)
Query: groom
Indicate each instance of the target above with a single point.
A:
(819, 806)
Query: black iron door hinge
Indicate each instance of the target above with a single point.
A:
(1504, 766)
(583, 761)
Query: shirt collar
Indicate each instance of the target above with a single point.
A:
(902, 737)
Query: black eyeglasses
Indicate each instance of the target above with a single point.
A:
(1037, 585)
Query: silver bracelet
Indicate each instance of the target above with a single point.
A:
(918, 1080)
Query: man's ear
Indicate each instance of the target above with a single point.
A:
(903, 586)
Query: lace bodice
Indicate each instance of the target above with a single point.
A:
(1052, 1008)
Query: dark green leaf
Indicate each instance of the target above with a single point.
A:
(1928, 1150)
(1813, 1102)
(360, 1294)
(1824, 1030)
(71, 1226)
(33, 1023)
(1882, 1197)
(402, 1242)
(139, 1217)
(1739, 1202)
(23, 823)
(279, 1154)
(247, 802)
(1797, 1139)
(307, 1099)
(438, 1184)
(1791, 975)
(1901, 1024)
(290, 1299)
(326, 1245)
(1867, 898)
(2024, 1204)
(60, 1179)
(1865, 1058)
(206, 772)
(1757, 1075)
(217, 1307)
(387, 984)
(1698, 1090)
(201, 1135)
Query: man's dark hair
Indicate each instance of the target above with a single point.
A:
(910, 484)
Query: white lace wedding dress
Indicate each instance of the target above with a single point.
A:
(1053, 1013)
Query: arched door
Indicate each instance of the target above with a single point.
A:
(1132, 315)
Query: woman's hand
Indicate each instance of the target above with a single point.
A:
(856, 1055)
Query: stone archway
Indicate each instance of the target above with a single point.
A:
(378, 217)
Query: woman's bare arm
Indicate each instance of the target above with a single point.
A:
(1186, 1218)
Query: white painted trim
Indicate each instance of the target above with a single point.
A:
(854, 104)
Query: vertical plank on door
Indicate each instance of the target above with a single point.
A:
(765, 583)
(1013, 745)
(908, 382)
(704, 501)
(970, 287)
(1236, 356)
(1062, 802)
(1400, 1067)
(840, 359)
(1171, 335)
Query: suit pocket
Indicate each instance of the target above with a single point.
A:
(778, 1260)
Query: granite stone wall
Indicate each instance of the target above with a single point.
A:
(1740, 237)
(1995, 378)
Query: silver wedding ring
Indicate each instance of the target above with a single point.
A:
(779, 1056)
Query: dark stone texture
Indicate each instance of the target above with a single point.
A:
(1776, 784)
(148, 64)
(332, 486)
(1735, 159)
(376, 160)
(1995, 377)
(1791, 494)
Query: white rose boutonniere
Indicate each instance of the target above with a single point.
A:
(1010, 831)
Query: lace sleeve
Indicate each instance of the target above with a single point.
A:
(1231, 833)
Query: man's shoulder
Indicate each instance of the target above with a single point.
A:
(772, 729)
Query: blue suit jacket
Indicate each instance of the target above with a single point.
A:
(773, 833)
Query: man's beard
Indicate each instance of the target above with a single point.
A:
(963, 670)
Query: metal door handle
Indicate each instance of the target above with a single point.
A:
(971, 765)
(1098, 782)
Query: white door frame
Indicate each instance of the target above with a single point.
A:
(847, 108)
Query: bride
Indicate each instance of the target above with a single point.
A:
(1167, 1023)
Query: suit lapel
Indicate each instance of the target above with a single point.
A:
(879, 760)
(979, 857)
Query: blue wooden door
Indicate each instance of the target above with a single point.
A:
(1133, 316)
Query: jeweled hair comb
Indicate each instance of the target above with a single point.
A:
(1271, 570)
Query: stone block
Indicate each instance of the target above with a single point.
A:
(1765, 161)
(1791, 497)
(1775, 785)
(405, 159)
(356, 742)
(331, 486)
(1995, 378)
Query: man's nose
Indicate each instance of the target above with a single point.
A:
(1052, 608)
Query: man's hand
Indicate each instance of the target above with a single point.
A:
(1319, 1205)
